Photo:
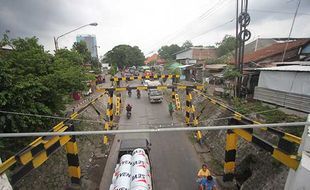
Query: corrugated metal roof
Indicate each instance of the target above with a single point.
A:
(290, 68)
(216, 66)
(293, 63)
(191, 48)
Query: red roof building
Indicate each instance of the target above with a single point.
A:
(266, 56)
(154, 58)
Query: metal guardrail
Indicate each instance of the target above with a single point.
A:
(37, 151)
(287, 136)
(291, 161)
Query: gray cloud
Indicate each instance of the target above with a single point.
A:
(148, 24)
(33, 17)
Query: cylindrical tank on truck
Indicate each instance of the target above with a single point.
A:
(133, 170)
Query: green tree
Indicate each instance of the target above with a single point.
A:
(226, 45)
(81, 48)
(95, 64)
(125, 56)
(168, 52)
(33, 81)
(231, 73)
(187, 44)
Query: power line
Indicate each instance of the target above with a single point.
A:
(210, 30)
(217, 27)
(292, 26)
(154, 130)
(187, 29)
(277, 11)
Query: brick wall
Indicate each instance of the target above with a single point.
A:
(200, 54)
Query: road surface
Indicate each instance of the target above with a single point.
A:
(174, 160)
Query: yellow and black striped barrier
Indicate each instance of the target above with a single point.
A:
(176, 99)
(195, 121)
(118, 105)
(144, 77)
(188, 106)
(160, 87)
(73, 160)
(190, 114)
(283, 156)
(177, 102)
(230, 155)
(38, 151)
(291, 161)
(105, 137)
(173, 94)
(286, 136)
(110, 108)
(109, 124)
(30, 161)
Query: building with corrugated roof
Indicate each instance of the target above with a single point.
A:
(286, 86)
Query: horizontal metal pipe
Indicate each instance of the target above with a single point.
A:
(154, 130)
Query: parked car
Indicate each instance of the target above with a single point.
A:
(137, 73)
(132, 70)
(100, 79)
(127, 75)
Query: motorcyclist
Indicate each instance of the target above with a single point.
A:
(128, 108)
(202, 176)
(138, 93)
(129, 91)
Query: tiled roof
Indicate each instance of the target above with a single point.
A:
(154, 57)
(274, 49)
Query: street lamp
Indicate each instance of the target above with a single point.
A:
(56, 39)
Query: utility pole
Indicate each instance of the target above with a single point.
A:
(236, 48)
(56, 43)
(243, 36)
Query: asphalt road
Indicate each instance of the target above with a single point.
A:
(174, 160)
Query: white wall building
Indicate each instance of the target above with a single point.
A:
(287, 86)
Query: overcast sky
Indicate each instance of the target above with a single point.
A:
(148, 24)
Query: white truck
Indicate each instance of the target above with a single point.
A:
(154, 94)
(133, 170)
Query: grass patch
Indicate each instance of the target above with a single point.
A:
(268, 114)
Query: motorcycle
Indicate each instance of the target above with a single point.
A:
(138, 94)
(128, 114)
(129, 94)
